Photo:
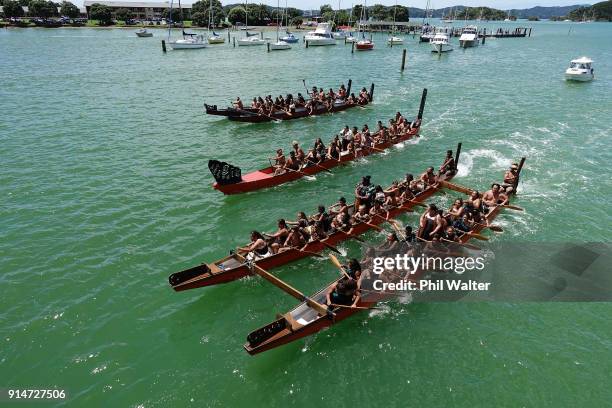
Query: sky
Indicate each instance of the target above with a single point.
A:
(315, 4)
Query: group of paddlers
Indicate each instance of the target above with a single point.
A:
(435, 226)
(371, 202)
(348, 141)
(268, 106)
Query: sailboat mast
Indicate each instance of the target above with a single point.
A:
(277, 11)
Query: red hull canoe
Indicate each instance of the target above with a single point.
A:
(304, 321)
(265, 178)
(231, 268)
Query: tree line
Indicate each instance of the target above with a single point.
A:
(39, 8)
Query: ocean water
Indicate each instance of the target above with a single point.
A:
(106, 191)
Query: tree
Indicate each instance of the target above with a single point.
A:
(101, 13)
(172, 15)
(297, 21)
(357, 9)
(124, 14)
(199, 19)
(326, 8)
(42, 8)
(236, 15)
(401, 13)
(259, 14)
(69, 10)
(12, 8)
(24, 3)
(293, 12)
(378, 12)
(203, 6)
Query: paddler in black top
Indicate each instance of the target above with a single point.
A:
(257, 248)
(363, 192)
(279, 236)
(409, 236)
(343, 292)
(448, 167)
(292, 162)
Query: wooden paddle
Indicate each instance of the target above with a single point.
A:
(321, 309)
(318, 165)
(456, 187)
(492, 227)
(330, 246)
(376, 227)
(465, 244)
(258, 114)
(477, 236)
(301, 172)
(356, 307)
(513, 207)
(336, 262)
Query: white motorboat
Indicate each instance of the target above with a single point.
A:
(251, 39)
(580, 69)
(143, 32)
(321, 36)
(189, 42)
(350, 39)
(440, 43)
(469, 37)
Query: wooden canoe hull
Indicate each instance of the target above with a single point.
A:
(265, 178)
(289, 334)
(299, 113)
(213, 275)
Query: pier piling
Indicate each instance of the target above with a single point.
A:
(306, 43)
(403, 58)
(164, 46)
(268, 44)
(234, 42)
(352, 47)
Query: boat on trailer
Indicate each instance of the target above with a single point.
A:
(305, 320)
(229, 178)
(253, 116)
(233, 266)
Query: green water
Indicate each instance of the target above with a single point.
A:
(105, 192)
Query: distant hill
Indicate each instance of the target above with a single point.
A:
(545, 12)
(599, 11)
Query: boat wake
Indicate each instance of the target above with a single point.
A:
(499, 161)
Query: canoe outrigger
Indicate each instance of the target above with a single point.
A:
(252, 115)
(234, 267)
(229, 178)
(305, 320)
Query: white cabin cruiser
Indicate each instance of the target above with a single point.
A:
(580, 69)
(143, 32)
(440, 43)
(321, 36)
(469, 37)
(395, 40)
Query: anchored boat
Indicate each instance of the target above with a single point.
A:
(581, 70)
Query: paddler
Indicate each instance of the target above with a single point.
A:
(511, 179)
(279, 236)
(448, 167)
(257, 249)
(238, 103)
(494, 196)
(292, 163)
(363, 192)
(344, 292)
(429, 177)
(295, 239)
(279, 162)
(299, 153)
